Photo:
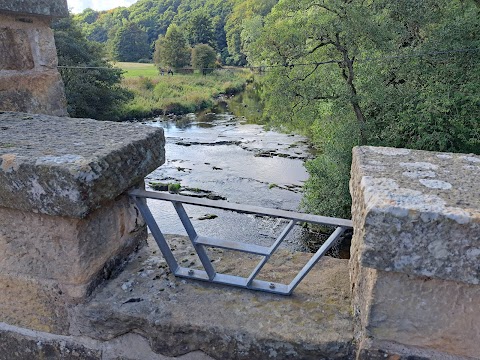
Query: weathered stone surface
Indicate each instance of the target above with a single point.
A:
(45, 48)
(22, 344)
(15, 50)
(17, 347)
(376, 351)
(417, 212)
(417, 316)
(33, 303)
(50, 8)
(29, 80)
(26, 46)
(70, 250)
(415, 264)
(49, 263)
(69, 167)
(39, 92)
(179, 316)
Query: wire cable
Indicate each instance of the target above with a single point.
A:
(317, 63)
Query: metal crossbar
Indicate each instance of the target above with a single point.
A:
(199, 242)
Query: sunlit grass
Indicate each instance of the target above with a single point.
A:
(179, 94)
(137, 69)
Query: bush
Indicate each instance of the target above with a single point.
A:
(203, 57)
(92, 93)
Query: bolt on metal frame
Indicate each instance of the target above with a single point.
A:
(199, 242)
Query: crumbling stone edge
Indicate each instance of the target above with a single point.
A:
(16, 343)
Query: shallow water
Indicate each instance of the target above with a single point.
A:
(241, 162)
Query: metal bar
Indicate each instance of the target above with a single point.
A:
(314, 259)
(210, 275)
(157, 234)
(273, 248)
(314, 219)
(282, 236)
(233, 280)
(192, 234)
(233, 245)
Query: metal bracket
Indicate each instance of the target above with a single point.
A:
(199, 243)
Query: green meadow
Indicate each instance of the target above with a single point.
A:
(137, 69)
(155, 94)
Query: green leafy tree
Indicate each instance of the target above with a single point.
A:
(171, 50)
(425, 102)
(429, 102)
(242, 11)
(130, 43)
(92, 93)
(203, 57)
(199, 29)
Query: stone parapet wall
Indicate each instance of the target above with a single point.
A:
(66, 220)
(48, 8)
(76, 278)
(415, 264)
(29, 79)
(69, 167)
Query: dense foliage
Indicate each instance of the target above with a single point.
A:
(203, 57)
(94, 92)
(130, 43)
(171, 50)
(217, 23)
(390, 82)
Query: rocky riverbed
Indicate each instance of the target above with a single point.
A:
(221, 157)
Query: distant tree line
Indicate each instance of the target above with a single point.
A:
(130, 33)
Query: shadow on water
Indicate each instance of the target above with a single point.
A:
(246, 105)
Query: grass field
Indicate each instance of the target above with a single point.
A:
(179, 94)
(137, 69)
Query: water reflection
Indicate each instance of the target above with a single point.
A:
(220, 154)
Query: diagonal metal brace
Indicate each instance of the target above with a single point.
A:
(199, 243)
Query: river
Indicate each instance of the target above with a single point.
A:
(222, 156)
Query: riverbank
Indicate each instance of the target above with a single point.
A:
(179, 94)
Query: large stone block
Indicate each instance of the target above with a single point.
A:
(29, 79)
(420, 316)
(417, 212)
(15, 50)
(66, 222)
(70, 167)
(70, 250)
(50, 263)
(49, 8)
(415, 256)
(36, 92)
(26, 45)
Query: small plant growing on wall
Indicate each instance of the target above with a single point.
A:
(174, 188)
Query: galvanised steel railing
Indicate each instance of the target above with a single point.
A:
(199, 242)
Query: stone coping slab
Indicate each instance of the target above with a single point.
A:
(69, 167)
(180, 316)
(50, 8)
(419, 212)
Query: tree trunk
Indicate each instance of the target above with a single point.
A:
(349, 76)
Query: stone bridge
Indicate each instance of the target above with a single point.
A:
(80, 279)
